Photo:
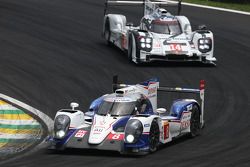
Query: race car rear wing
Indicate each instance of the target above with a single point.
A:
(200, 91)
(148, 5)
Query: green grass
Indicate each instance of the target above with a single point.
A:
(235, 6)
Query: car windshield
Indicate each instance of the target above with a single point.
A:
(115, 108)
(166, 27)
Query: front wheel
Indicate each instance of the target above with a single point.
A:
(154, 136)
(195, 125)
(133, 50)
(107, 32)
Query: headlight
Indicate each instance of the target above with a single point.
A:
(133, 131)
(148, 45)
(143, 45)
(142, 40)
(204, 45)
(61, 126)
(130, 138)
(148, 40)
(201, 47)
(60, 134)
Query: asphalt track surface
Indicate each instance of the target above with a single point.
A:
(52, 53)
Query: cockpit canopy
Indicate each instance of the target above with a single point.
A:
(171, 27)
(117, 107)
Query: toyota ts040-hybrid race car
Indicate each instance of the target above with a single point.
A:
(160, 35)
(128, 120)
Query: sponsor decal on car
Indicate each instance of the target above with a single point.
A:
(80, 133)
(98, 129)
(166, 130)
(185, 124)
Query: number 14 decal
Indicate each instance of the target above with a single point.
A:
(175, 47)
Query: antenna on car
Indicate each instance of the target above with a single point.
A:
(115, 83)
(179, 7)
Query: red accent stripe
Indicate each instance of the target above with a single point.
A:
(146, 133)
(166, 131)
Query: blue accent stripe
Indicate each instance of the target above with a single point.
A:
(146, 83)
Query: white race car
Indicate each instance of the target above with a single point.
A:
(160, 36)
(128, 120)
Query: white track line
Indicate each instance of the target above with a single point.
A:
(18, 122)
(45, 118)
(7, 107)
(19, 136)
(215, 8)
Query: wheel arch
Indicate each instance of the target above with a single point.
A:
(179, 106)
(116, 22)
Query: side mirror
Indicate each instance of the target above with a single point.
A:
(202, 27)
(74, 105)
(161, 110)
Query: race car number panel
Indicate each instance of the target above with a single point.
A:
(115, 136)
(175, 47)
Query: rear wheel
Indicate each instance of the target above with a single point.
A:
(195, 125)
(154, 136)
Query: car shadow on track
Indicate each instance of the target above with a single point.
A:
(124, 60)
(103, 153)
(88, 152)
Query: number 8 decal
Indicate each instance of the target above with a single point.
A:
(116, 136)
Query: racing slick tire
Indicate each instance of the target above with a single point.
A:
(133, 50)
(107, 32)
(130, 45)
(195, 125)
(154, 136)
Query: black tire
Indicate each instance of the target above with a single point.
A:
(195, 125)
(130, 47)
(154, 136)
(107, 32)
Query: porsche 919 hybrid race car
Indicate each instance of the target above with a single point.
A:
(160, 35)
(128, 120)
